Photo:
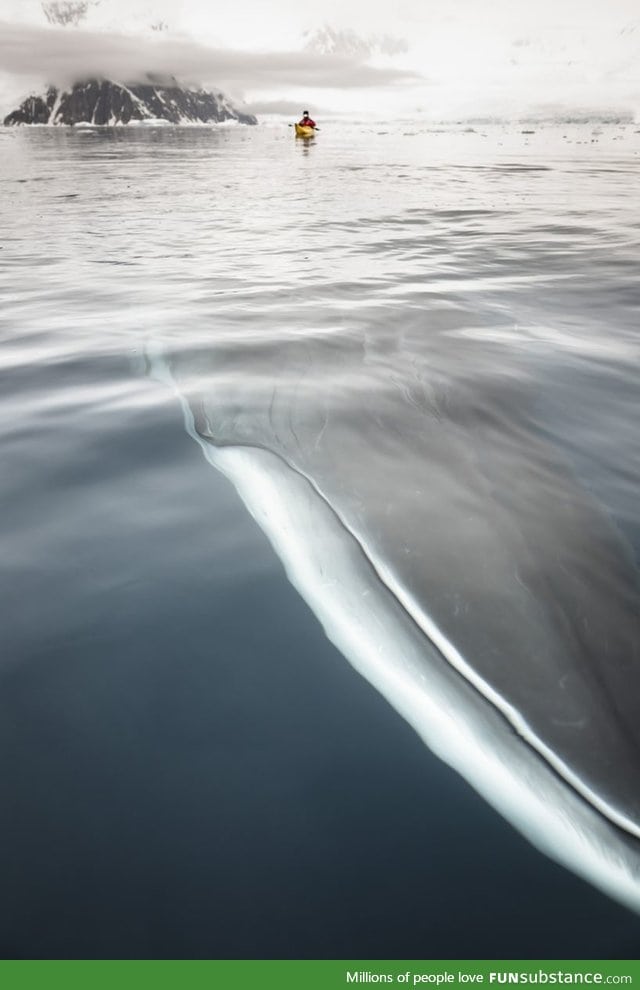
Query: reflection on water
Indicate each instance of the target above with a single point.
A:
(414, 400)
(421, 348)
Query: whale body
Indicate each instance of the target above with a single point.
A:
(453, 557)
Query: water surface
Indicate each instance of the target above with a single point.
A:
(435, 329)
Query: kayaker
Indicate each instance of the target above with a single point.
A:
(306, 120)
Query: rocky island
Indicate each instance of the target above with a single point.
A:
(102, 102)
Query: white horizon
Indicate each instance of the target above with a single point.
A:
(512, 60)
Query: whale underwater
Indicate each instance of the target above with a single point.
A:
(454, 550)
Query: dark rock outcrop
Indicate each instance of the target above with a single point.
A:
(64, 12)
(102, 102)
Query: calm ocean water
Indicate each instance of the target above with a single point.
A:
(437, 330)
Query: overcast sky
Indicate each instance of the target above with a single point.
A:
(463, 56)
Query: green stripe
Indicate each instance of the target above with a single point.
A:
(313, 974)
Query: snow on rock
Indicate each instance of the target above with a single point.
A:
(330, 41)
(65, 12)
(103, 102)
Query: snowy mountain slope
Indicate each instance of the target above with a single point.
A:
(328, 40)
(103, 102)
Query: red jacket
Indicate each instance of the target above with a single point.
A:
(307, 122)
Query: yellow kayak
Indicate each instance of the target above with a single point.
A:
(305, 131)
